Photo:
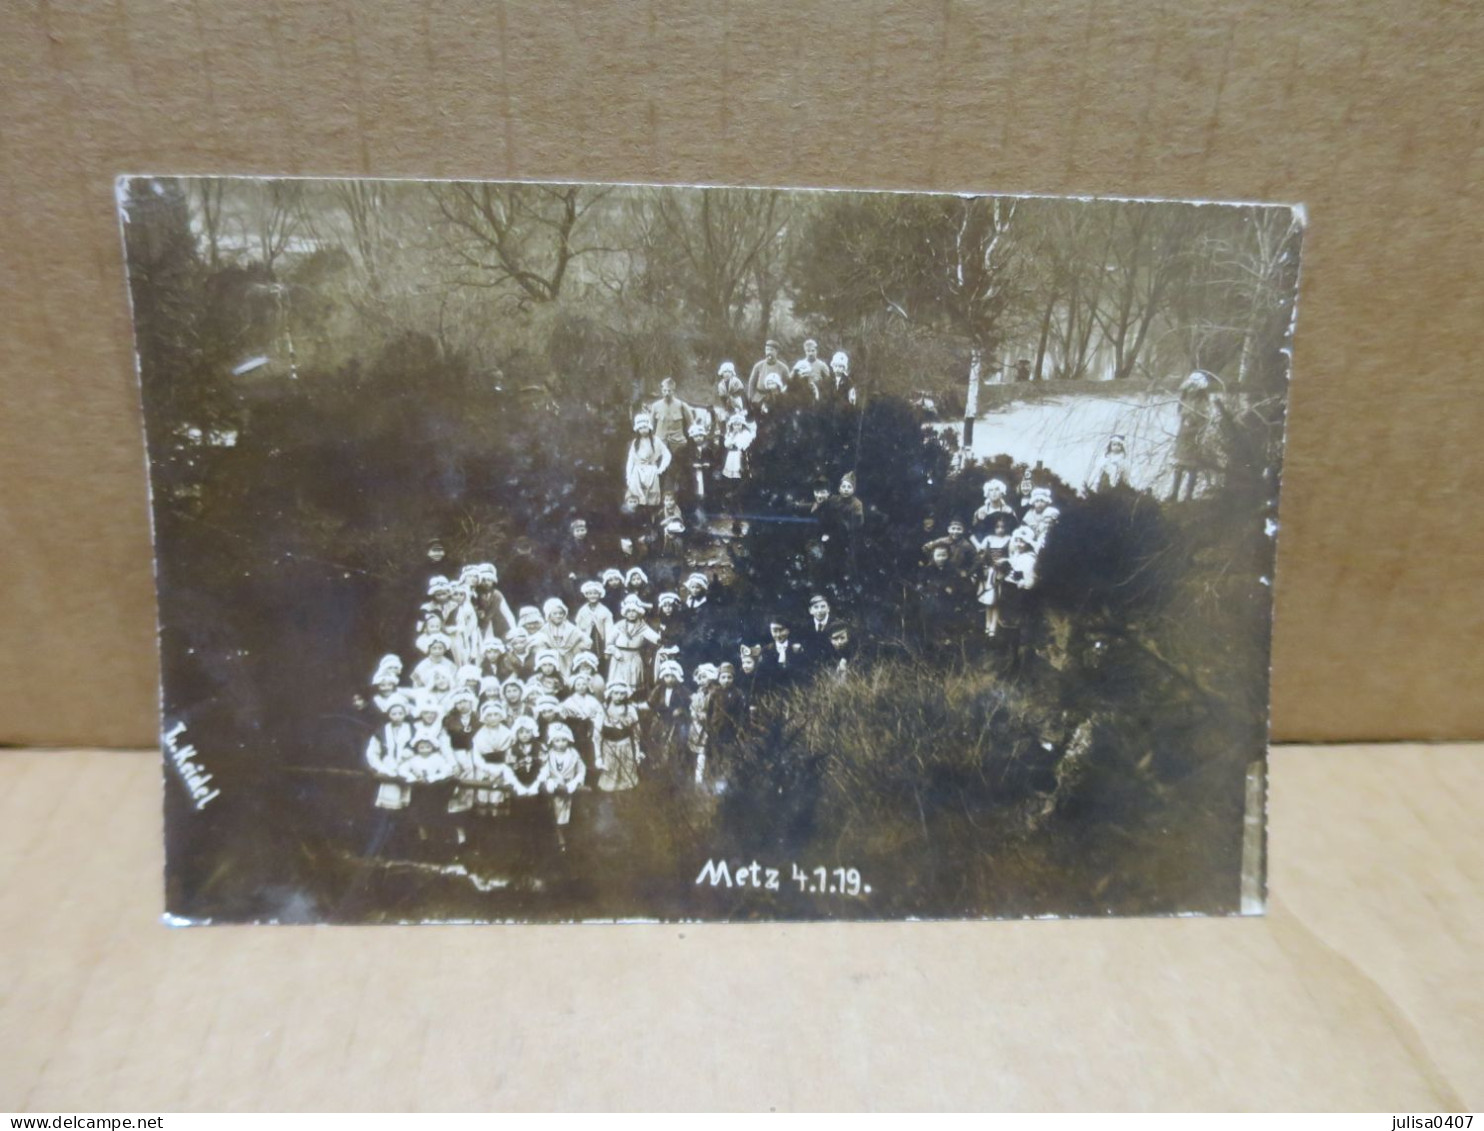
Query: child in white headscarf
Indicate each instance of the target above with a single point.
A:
(560, 635)
(427, 721)
(548, 677)
(626, 644)
(562, 776)
(495, 781)
(618, 740)
(583, 712)
(728, 386)
(594, 617)
(512, 695)
(388, 750)
(467, 679)
(493, 739)
(385, 681)
(740, 434)
(996, 502)
(492, 658)
(430, 762)
(520, 655)
(1023, 557)
(1112, 469)
(437, 660)
(700, 710)
(461, 622)
(441, 688)
(525, 743)
(994, 549)
(1040, 516)
(649, 459)
(613, 590)
(669, 714)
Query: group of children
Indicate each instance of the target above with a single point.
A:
(515, 712)
(990, 563)
(508, 713)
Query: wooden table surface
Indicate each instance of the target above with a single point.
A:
(1363, 988)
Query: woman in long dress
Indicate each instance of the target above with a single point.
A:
(618, 741)
(649, 459)
(626, 644)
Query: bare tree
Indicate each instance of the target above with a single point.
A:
(208, 195)
(953, 266)
(363, 204)
(1234, 308)
(1267, 269)
(981, 268)
(715, 251)
(1069, 252)
(1149, 256)
(524, 237)
(275, 217)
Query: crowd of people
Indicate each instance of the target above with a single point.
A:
(688, 461)
(608, 665)
(512, 711)
(988, 564)
(518, 707)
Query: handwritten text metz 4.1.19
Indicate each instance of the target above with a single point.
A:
(812, 881)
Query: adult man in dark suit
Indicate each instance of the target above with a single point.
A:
(817, 633)
(783, 663)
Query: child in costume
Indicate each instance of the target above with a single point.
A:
(561, 777)
(626, 645)
(994, 550)
(700, 709)
(520, 655)
(583, 712)
(613, 591)
(1112, 470)
(548, 675)
(741, 432)
(996, 502)
(436, 660)
(671, 525)
(429, 770)
(525, 741)
(619, 754)
(512, 693)
(492, 658)
(1040, 516)
(593, 617)
(560, 635)
(494, 738)
(388, 749)
(670, 713)
(387, 691)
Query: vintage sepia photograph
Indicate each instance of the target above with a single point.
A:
(534, 552)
